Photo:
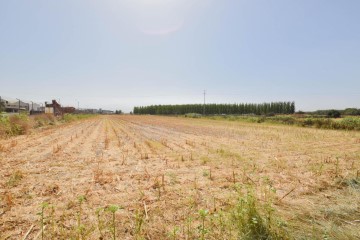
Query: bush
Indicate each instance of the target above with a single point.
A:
(307, 122)
(4, 122)
(350, 123)
(323, 123)
(283, 120)
(19, 124)
(351, 111)
(333, 114)
(2, 106)
(14, 125)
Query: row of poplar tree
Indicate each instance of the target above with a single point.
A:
(241, 108)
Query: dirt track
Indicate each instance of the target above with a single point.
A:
(125, 159)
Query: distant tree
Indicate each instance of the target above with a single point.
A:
(292, 107)
(2, 106)
(118, 112)
(258, 109)
(351, 111)
(334, 114)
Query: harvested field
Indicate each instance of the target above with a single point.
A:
(164, 170)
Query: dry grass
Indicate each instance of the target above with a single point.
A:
(182, 179)
(43, 120)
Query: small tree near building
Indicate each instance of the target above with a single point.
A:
(2, 106)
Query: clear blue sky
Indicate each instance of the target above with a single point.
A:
(116, 54)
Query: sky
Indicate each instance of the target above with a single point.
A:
(117, 54)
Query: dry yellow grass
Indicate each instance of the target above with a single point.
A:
(163, 170)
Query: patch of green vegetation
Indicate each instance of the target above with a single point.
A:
(14, 125)
(20, 124)
(245, 218)
(347, 123)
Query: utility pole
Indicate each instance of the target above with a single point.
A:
(204, 103)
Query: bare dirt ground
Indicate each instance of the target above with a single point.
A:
(167, 168)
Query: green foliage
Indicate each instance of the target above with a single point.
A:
(351, 111)
(350, 123)
(4, 125)
(203, 231)
(347, 123)
(2, 106)
(19, 124)
(173, 234)
(44, 205)
(244, 218)
(113, 209)
(13, 125)
(242, 108)
(334, 114)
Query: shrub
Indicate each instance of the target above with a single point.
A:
(307, 122)
(2, 106)
(350, 123)
(14, 125)
(333, 114)
(351, 111)
(323, 123)
(4, 125)
(18, 125)
(283, 120)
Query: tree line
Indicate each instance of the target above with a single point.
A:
(236, 108)
(337, 113)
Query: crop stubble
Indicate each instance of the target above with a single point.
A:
(163, 164)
